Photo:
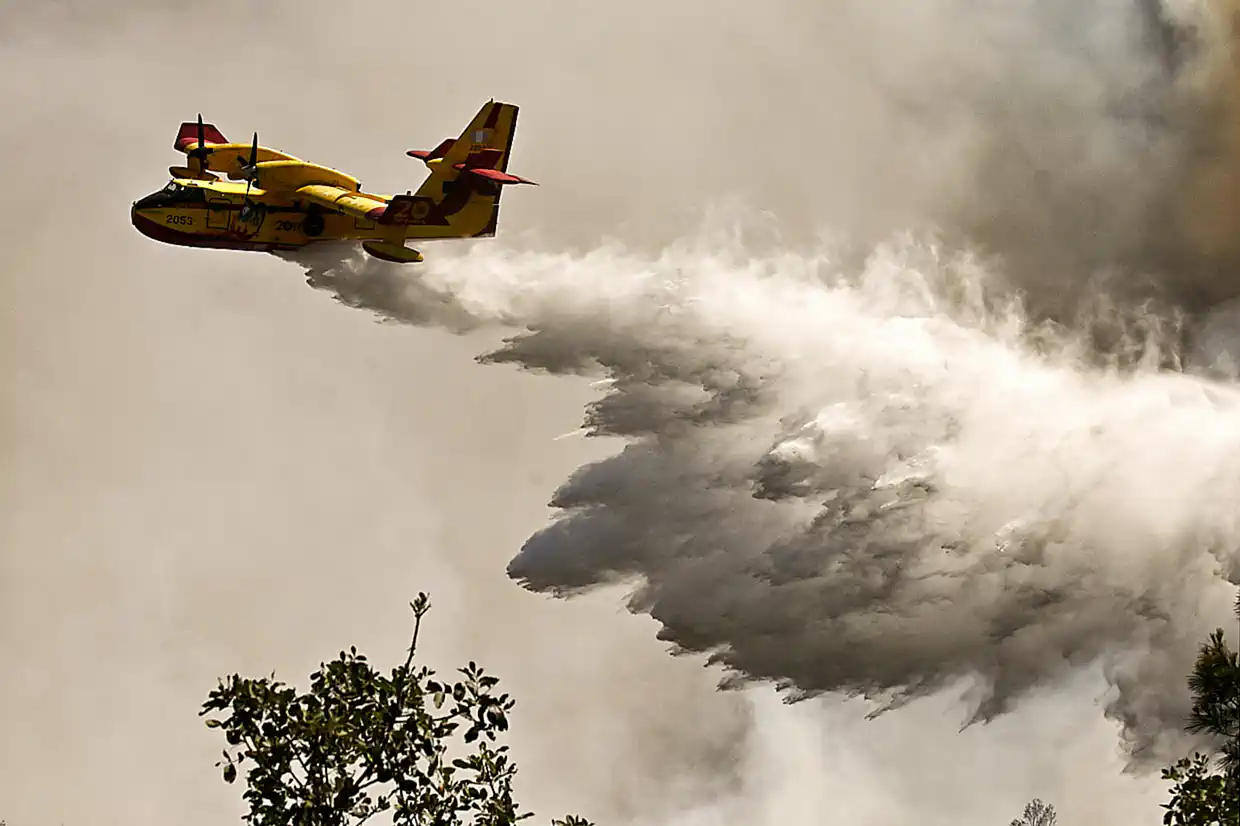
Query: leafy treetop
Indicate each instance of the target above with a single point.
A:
(1037, 813)
(361, 743)
(1200, 796)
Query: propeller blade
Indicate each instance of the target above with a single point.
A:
(199, 153)
(249, 169)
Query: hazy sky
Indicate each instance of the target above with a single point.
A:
(213, 468)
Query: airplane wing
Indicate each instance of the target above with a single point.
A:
(207, 150)
(398, 210)
(361, 205)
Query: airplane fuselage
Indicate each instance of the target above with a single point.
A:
(252, 197)
(197, 213)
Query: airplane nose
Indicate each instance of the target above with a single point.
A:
(143, 224)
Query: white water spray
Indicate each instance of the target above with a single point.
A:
(874, 482)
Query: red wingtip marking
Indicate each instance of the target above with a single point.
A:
(432, 154)
(188, 134)
(497, 176)
(442, 149)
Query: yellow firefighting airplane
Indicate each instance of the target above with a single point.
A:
(287, 203)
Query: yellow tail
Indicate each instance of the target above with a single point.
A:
(468, 174)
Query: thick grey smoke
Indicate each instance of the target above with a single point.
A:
(1087, 147)
(880, 475)
(211, 469)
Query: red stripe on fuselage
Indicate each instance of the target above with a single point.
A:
(161, 233)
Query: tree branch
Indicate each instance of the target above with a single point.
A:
(253, 749)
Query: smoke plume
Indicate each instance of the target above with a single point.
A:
(879, 475)
(874, 482)
(892, 426)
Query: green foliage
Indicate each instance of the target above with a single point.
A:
(360, 743)
(1037, 813)
(1215, 683)
(1200, 796)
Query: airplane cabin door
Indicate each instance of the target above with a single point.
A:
(218, 213)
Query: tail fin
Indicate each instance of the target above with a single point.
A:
(460, 199)
(467, 174)
(482, 149)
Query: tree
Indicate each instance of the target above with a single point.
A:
(359, 743)
(1037, 813)
(1201, 796)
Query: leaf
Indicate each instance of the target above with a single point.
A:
(314, 754)
(213, 723)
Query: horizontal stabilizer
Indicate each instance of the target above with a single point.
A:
(395, 253)
(495, 175)
(437, 152)
(482, 149)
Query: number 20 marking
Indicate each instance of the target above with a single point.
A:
(400, 211)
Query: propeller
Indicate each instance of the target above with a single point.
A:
(200, 152)
(249, 169)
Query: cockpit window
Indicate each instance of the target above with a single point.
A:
(182, 194)
(174, 194)
(190, 195)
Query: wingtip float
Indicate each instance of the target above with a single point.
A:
(246, 196)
